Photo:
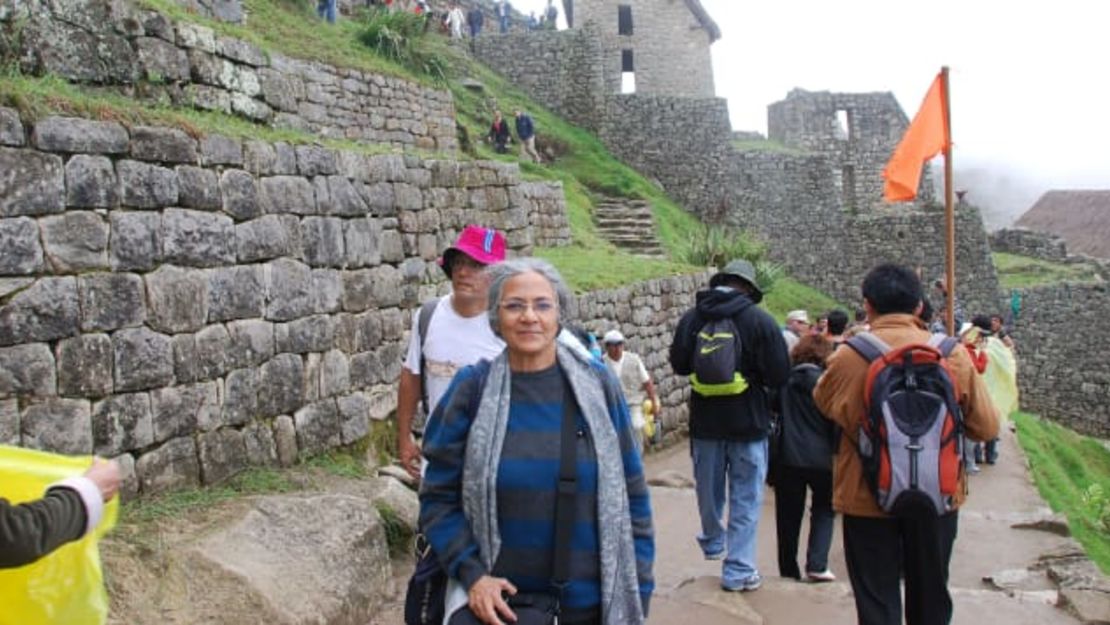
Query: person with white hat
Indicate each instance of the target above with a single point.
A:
(634, 378)
(797, 325)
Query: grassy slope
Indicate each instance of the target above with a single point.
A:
(1015, 272)
(789, 294)
(1064, 464)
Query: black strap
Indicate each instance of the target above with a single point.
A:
(567, 493)
(423, 320)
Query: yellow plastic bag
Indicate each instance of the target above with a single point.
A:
(67, 586)
(649, 419)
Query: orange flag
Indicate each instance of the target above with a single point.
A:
(927, 136)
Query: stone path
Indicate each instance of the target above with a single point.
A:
(628, 224)
(987, 545)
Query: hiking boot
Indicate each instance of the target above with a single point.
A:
(820, 576)
(746, 585)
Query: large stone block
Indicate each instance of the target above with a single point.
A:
(358, 333)
(236, 293)
(75, 241)
(173, 465)
(386, 168)
(322, 238)
(110, 301)
(379, 198)
(58, 425)
(245, 105)
(354, 417)
(287, 194)
(186, 369)
(310, 334)
(198, 239)
(143, 185)
(142, 359)
(136, 240)
(317, 427)
(72, 134)
(335, 374)
(357, 295)
(208, 98)
(27, 370)
(9, 422)
(268, 237)
(223, 454)
(327, 290)
(366, 370)
(315, 161)
(44, 311)
(385, 286)
(162, 145)
(252, 343)
(11, 129)
(240, 194)
(183, 410)
(220, 150)
(129, 480)
(122, 423)
(344, 198)
(280, 90)
(91, 182)
(281, 381)
(161, 60)
(85, 366)
(285, 440)
(289, 290)
(198, 188)
(31, 183)
(241, 51)
(361, 238)
(178, 299)
(258, 438)
(212, 346)
(240, 396)
(392, 247)
(20, 250)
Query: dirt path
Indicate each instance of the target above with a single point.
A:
(687, 585)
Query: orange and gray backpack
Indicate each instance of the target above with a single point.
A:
(911, 440)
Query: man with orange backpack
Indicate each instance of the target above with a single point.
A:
(905, 399)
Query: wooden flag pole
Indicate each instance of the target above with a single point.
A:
(949, 212)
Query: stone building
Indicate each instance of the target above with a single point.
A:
(658, 47)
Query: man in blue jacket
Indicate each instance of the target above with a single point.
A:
(729, 425)
(526, 131)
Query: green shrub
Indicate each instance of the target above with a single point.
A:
(715, 246)
(395, 36)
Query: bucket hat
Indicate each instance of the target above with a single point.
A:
(484, 245)
(742, 269)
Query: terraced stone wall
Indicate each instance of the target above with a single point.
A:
(192, 306)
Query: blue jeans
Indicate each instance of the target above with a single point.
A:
(742, 467)
(326, 9)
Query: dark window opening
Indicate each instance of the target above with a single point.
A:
(624, 19)
(628, 72)
(626, 61)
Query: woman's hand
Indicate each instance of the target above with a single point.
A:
(487, 601)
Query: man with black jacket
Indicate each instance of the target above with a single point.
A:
(728, 432)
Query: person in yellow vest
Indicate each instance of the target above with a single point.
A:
(634, 378)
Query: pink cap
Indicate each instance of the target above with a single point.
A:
(485, 245)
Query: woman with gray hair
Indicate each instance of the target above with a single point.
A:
(492, 492)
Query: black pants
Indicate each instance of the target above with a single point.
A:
(881, 551)
(790, 505)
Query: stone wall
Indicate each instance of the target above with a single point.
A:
(647, 313)
(146, 55)
(547, 213)
(1030, 243)
(193, 306)
(1063, 372)
(669, 47)
(562, 70)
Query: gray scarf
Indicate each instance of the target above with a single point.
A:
(620, 594)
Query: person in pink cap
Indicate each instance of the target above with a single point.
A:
(448, 333)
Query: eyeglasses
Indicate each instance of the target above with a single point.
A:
(516, 307)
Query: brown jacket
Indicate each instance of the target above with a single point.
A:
(839, 396)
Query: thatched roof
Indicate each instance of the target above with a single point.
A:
(703, 18)
(1081, 218)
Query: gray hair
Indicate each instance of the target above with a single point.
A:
(500, 273)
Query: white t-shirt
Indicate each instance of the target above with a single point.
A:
(453, 342)
(632, 374)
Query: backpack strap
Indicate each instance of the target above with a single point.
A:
(869, 346)
(943, 343)
(423, 320)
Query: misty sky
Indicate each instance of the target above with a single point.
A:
(1030, 81)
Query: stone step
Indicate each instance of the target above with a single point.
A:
(605, 222)
(622, 214)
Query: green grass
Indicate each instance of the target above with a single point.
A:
(1064, 465)
(1016, 272)
(340, 463)
(255, 481)
(789, 294)
(586, 269)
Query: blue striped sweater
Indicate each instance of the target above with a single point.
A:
(526, 489)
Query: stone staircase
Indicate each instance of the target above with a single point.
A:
(628, 224)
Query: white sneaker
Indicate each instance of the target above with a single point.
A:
(820, 576)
